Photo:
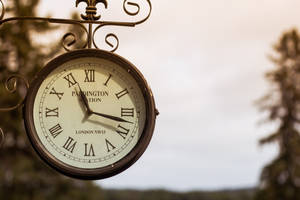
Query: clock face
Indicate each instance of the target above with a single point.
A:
(87, 114)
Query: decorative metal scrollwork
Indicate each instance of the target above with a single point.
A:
(70, 39)
(131, 4)
(109, 35)
(11, 85)
(126, 5)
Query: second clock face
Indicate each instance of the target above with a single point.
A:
(81, 139)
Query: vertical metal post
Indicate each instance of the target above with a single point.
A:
(90, 36)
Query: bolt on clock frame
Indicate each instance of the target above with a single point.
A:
(90, 23)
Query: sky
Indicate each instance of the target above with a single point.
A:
(205, 62)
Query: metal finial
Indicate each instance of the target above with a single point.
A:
(91, 9)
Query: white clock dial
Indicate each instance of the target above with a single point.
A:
(73, 136)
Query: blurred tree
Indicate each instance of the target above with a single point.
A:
(23, 176)
(280, 180)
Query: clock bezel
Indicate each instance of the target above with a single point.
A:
(97, 173)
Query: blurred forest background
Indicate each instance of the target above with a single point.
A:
(23, 176)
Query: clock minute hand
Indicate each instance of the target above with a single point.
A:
(110, 117)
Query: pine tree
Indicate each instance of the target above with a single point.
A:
(23, 176)
(280, 180)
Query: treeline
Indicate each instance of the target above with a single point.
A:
(241, 194)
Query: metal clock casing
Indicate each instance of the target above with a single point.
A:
(33, 125)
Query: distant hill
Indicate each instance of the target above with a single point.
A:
(240, 194)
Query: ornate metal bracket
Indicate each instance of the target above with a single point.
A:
(90, 18)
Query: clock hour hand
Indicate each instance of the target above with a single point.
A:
(85, 101)
(111, 117)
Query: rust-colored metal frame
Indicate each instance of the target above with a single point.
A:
(110, 170)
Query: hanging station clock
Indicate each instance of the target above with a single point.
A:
(89, 114)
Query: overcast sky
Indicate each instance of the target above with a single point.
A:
(205, 62)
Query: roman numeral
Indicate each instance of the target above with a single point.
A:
(123, 132)
(88, 151)
(58, 94)
(127, 112)
(89, 75)
(107, 80)
(70, 144)
(51, 112)
(71, 80)
(109, 146)
(55, 130)
(122, 93)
